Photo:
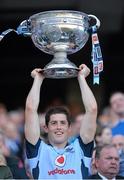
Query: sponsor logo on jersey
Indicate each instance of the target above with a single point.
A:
(61, 171)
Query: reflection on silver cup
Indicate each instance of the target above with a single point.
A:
(58, 32)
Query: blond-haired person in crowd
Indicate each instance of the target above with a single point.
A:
(5, 172)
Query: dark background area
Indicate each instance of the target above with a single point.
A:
(19, 56)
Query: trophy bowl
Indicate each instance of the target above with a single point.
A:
(59, 33)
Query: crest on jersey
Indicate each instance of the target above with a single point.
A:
(60, 160)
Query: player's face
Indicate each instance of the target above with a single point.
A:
(58, 130)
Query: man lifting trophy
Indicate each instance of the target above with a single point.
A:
(60, 33)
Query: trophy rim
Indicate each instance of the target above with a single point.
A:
(60, 11)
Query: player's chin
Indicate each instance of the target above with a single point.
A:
(60, 139)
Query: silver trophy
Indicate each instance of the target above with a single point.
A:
(58, 33)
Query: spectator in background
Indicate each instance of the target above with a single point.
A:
(14, 163)
(106, 136)
(5, 172)
(104, 118)
(17, 168)
(118, 142)
(107, 163)
(2, 159)
(3, 109)
(3, 148)
(13, 138)
(43, 133)
(3, 116)
(75, 126)
(117, 106)
(17, 117)
(103, 136)
(10, 144)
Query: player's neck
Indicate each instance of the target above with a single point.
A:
(59, 146)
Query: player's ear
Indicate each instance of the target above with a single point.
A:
(45, 129)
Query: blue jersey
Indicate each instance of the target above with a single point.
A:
(48, 162)
(118, 128)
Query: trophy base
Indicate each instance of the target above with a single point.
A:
(60, 72)
(60, 67)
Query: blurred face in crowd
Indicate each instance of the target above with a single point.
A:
(11, 131)
(108, 162)
(58, 130)
(118, 142)
(105, 117)
(106, 136)
(2, 160)
(3, 120)
(1, 140)
(75, 126)
(42, 122)
(17, 117)
(3, 148)
(117, 103)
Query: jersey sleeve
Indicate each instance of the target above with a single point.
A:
(86, 148)
(32, 150)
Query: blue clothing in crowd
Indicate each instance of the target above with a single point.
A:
(118, 128)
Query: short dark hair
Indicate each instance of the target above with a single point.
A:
(100, 148)
(57, 110)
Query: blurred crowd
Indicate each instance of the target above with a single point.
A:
(110, 131)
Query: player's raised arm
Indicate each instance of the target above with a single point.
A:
(32, 126)
(88, 125)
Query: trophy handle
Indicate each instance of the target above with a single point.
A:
(24, 28)
(97, 20)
